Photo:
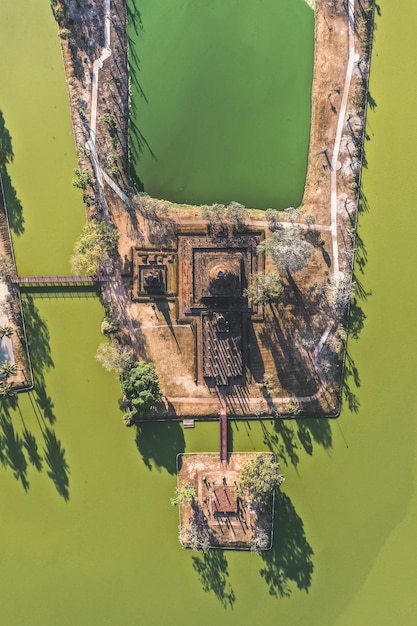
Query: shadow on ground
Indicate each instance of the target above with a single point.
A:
(159, 443)
(212, 571)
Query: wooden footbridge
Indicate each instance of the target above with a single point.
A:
(223, 429)
(57, 281)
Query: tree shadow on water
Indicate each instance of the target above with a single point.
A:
(13, 204)
(289, 436)
(212, 570)
(290, 559)
(6, 148)
(40, 353)
(159, 443)
(11, 451)
(55, 460)
(31, 446)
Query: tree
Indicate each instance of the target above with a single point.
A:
(114, 357)
(236, 214)
(194, 537)
(292, 213)
(260, 541)
(110, 325)
(264, 287)
(288, 249)
(213, 213)
(273, 217)
(93, 248)
(7, 267)
(340, 292)
(8, 369)
(7, 389)
(6, 331)
(184, 494)
(259, 478)
(140, 385)
(82, 178)
(294, 407)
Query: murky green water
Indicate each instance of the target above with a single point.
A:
(221, 99)
(345, 550)
(46, 212)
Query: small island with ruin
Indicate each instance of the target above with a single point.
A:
(227, 505)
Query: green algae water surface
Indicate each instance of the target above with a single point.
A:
(220, 104)
(45, 211)
(87, 534)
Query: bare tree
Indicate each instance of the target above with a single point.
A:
(288, 249)
(236, 214)
(263, 288)
(114, 357)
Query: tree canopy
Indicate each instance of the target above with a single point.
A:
(264, 287)
(234, 213)
(259, 478)
(184, 494)
(93, 248)
(140, 385)
(114, 357)
(7, 267)
(288, 249)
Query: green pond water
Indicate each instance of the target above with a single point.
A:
(221, 95)
(92, 538)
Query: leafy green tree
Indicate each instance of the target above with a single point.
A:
(184, 495)
(109, 119)
(288, 249)
(140, 386)
(114, 357)
(82, 178)
(264, 287)
(110, 325)
(7, 267)
(259, 478)
(294, 407)
(8, 369)
(94, 247)
(6, 331)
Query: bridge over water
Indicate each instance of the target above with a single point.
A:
(55, 281)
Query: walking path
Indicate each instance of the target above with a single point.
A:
(91, 143)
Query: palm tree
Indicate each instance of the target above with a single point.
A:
(7, 389)
(6, 331)
(8, 369)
